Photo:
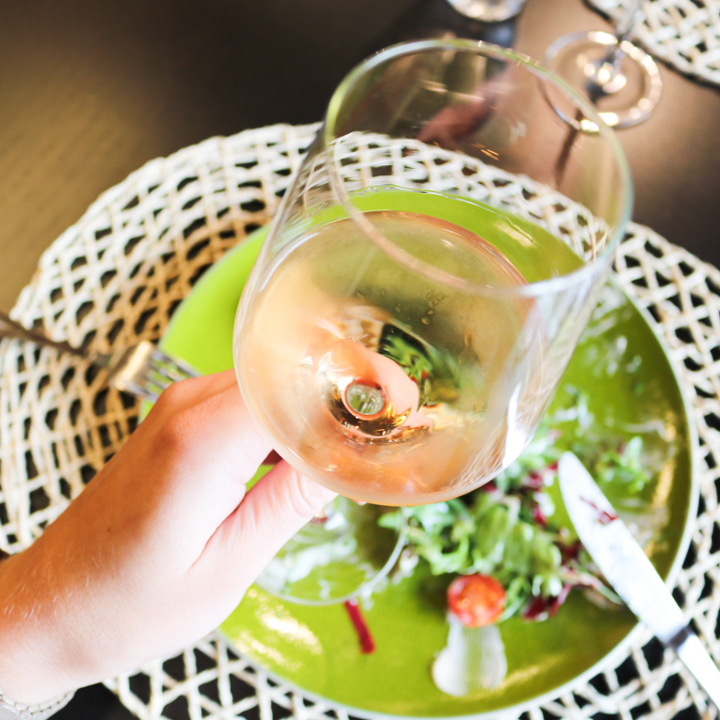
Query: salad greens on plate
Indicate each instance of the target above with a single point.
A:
(508, 529)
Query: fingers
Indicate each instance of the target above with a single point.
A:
(281, 503)
(206, 420)
(271, 513)
(187, 465)
(185, 393)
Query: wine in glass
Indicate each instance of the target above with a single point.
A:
(429, 271)
(619, 77)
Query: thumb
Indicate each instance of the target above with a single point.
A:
(273, 510)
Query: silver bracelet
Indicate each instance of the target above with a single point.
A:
(11, 710)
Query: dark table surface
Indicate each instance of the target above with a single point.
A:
(91, 90)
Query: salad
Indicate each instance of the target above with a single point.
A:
(506, 529)
(505, 547)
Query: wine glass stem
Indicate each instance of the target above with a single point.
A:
(627, 20)
(608, 68)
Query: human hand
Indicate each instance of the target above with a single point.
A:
(156, 551)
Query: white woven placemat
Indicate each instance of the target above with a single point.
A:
(683, 33)
(117, 275)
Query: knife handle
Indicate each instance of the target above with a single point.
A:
(697, 660)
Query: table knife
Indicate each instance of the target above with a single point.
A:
(630, 573)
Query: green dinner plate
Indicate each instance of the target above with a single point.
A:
(316, 648)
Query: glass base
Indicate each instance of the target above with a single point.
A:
(623, 83)
(334, 558)
(488, 10)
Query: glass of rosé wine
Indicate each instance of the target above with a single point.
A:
(429, 271)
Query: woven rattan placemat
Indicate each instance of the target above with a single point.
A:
(117, 275)
(683, 33)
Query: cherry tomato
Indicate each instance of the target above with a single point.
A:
(476, 600)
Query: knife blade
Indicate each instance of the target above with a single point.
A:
(629, 571)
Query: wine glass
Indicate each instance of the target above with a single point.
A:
(619, 77)
(429, 271)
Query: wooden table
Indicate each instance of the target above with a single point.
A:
(92, 90)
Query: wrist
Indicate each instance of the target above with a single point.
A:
(34, 663)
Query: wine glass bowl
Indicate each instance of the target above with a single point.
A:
(429, 271)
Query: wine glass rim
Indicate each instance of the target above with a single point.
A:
(547, 286)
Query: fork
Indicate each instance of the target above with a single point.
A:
(142, 369)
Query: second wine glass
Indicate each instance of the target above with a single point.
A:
(620, 78)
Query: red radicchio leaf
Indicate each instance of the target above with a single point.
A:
(367, 643)
(604, 517)
(570, 552)
(534, 480)
(560, 599)
(542, 607)
(539, 517)
(536, 609)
